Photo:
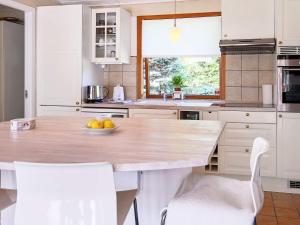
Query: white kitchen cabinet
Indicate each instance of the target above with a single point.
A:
(63, 54)
(236, 141)
(210, 115)
(58, 111)
(247, 117)
(236, 160)
(59, 55)
(287, 22)
(288, 143)
(111, 36)
(247, 19)
(243, 134)
(153, 113)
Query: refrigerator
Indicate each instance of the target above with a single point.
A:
(11, 71)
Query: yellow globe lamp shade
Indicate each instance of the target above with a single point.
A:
(175, 34)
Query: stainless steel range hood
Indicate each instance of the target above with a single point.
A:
(248, 46)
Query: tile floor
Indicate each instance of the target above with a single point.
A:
(280, 209)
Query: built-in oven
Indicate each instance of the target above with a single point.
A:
(288, 83)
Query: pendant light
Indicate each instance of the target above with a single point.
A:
(175, 31)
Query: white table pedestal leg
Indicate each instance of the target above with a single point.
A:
(156, 191)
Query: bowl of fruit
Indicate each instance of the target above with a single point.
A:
(100, 126)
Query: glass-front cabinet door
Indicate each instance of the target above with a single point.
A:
(106, 35)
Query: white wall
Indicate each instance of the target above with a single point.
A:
(196, 6)
(192, 6)
(35, 3)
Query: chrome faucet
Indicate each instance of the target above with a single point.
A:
(165, 96)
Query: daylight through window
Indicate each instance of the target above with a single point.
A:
(195, 58)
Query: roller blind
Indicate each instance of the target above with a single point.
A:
(199, 37)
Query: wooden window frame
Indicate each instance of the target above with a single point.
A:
(140, 63)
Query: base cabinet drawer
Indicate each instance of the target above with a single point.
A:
(58, 111)
(247, 117)
(236, 160)
(242, 134)
(209, 115)
(153, 114)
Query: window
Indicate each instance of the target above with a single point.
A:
(201, 75)
(196, 57)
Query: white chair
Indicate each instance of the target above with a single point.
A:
(65, 194)
(215, 200)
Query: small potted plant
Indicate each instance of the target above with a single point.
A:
(177, 82)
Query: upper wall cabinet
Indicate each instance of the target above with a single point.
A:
(248, 19)
(287, 22)
(111, 36)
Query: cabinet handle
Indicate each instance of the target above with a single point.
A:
(174, 113)
(247, 114)
(116, 59)
(280, 42)
(77, 110)
(280, 116)
(209, 112)
(77, 103)
(247, 150)
(225, 35)
(247, 126)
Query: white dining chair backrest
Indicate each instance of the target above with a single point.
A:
(260, 146)
(65, 194)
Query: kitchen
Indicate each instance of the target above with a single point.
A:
(102, 60)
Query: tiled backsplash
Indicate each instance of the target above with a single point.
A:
(245, 75)
(124, 75)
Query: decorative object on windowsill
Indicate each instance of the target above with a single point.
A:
(175, 31)
(178, 95)
(177, 82)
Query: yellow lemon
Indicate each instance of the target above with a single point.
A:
(108, 124)
(107, 119)
(101, 124)
(89, 124)
(95, 125)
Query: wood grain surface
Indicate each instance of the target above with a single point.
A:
(137, 145)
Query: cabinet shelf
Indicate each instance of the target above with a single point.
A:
(106, 26)
(105, 44)
(213, 166)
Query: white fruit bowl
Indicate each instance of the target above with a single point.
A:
(99, 131)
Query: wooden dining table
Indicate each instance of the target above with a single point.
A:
(137, 149)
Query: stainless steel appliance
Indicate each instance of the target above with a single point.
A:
(95, 93)
(288, 67)
(12, 99)
(248, 46)
(190, 115)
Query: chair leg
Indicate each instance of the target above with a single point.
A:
(255, 223)
(163, 217)
(136, 216)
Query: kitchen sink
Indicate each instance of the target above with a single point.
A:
(155, 102)
(174, 103)
(196, 104)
